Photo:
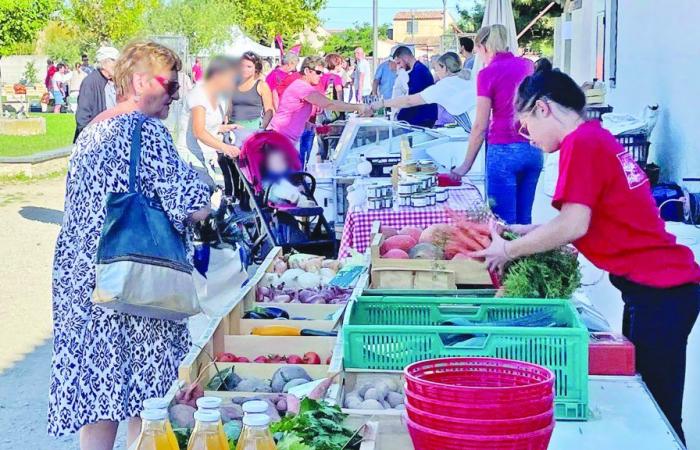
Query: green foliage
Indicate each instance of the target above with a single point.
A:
(61, 43)
(114, 22)
(263, 19)
(20, 21)
(539, 38)
(552, 274)
(348, 40)
(318, 425)
(30, 75)
(206, 23)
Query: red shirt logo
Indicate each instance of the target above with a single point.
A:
(634, 174)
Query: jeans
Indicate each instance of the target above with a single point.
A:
(512, 171)
(658, 322)
(306, 143)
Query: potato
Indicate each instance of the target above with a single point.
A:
(400, 406)
(182, 416)
(382, 390)
(385, 404)
(352, 401)
(373, 394)
(391, 383)
(363, 388)
(370, 404)
(253, 385)
(231, 412)
(394, 398)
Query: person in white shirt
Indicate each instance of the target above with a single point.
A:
(202, 120)
(58, 87)
(454, 93)
(362, 77)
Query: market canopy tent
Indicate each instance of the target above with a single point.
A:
(498, 12)
(240, 43)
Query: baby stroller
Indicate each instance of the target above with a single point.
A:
(303, 228)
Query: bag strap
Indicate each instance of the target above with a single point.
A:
(135, 155)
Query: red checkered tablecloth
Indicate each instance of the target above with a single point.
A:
(358, 224)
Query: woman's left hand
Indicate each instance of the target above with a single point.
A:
(496, 255)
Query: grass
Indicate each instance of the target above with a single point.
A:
(23, 178)
(59, 133)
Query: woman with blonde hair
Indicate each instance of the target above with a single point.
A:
(513, 166)
(106, 363)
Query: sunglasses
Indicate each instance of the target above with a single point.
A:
(170, 86)
(524, 132)
(318, 72)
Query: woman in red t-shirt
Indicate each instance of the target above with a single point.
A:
(608, 213)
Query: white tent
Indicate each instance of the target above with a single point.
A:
(501, 12)
(240, 43)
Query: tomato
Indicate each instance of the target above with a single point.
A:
(328, 360)
(295, 359)
(261, 360)
(242, 359)
(226, 357)
(312, 358)
(276, 359)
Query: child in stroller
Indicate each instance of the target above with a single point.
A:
(284, 194)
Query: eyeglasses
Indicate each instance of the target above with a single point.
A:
(318, 72)
(170, 86)
(523, 131)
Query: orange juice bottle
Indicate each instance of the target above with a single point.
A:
(161, 403)
(205, 435)
(213, 404)
(256, 434)
(253, 407)
(153, 436)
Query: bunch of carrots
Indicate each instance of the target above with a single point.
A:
(466, 236)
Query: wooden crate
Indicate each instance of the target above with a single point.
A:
(423, 273)
(369, 434)
(318, 316)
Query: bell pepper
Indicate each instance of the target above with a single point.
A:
(276, 330)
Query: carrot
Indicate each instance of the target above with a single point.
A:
(465, 238)
(484, 241)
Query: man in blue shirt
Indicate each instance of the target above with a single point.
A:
(384, 79)
(419, 78)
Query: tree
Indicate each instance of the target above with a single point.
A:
(264, 19)
(113, 22)
(348, 40)
(539, 38)
(60, 42)
(20, 21)
(206, 23)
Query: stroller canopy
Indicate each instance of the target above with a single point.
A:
(253, 154)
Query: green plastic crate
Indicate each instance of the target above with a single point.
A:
(389, 333)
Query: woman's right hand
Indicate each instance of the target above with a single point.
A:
(458, 172)
(230, 150)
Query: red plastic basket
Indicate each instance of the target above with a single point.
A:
(479, 426)
(479, 380)
(488, 411)
(425, 438)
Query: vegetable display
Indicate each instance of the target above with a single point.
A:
(228, 380)
(437, 242)
(317, 426)
(308, 358)
(382, 393)
(301, 278)
(552, 274)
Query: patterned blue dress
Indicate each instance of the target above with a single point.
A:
(106, 363)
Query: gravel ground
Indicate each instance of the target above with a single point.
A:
(31, 215)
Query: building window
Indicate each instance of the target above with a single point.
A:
(412, 26)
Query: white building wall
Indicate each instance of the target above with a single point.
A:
(658, 61)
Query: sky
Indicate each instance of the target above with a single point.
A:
(344, 13)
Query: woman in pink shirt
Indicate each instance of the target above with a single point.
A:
(300, 98)
(513, 166)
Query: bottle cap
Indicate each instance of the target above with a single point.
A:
(154, 414)
(155, 403)
(208, 402)
(255, 406)
(256, 420)
(207, 415)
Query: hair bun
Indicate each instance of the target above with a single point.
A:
(543, 65)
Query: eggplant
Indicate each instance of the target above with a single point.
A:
(309, 332)
(266, 312)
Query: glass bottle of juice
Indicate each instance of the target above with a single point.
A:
(153, 436)
(257, 434)
(213, 404)
(252, 407)
(161, 403)
(205, 435)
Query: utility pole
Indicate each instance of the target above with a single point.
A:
(444, 26)
(375, 33)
